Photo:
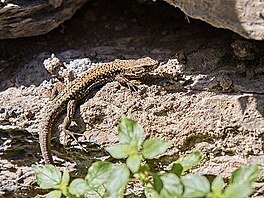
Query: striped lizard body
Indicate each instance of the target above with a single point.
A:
(79, 88)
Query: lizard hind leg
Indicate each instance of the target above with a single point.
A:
(71, 115)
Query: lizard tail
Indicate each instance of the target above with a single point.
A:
(45, 145)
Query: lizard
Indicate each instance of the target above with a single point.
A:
(76, 91)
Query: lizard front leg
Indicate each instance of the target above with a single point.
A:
(132, 85)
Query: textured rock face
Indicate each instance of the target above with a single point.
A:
(214, 101)
(31, 18)
(245, 17)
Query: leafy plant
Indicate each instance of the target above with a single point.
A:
(105, 179)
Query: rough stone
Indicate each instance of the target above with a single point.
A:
(245, 17)
(31, 18)
(206, 104)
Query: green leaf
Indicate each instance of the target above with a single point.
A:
(65, 178)
(151, 193)
(47, 176)
(172, 186)
(177, 169)
(218, 186)
(195, 186)
(238, 190)
(96, 193)
(190, 160)
(78, 187)
(119, 151)
(98, 174)
(64, 182)
(141, 175)
(153, 148)
(130, 132)
(133, 162)
(117, 181)
(157, 183)
(245, 174)
(54, 194)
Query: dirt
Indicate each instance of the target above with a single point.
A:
(209, 100)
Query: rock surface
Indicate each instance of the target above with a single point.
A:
(213, 100)
(245, 17)
(31, 18)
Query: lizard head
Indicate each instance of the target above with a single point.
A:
(141, 67)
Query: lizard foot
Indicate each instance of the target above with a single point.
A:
(131, 84)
